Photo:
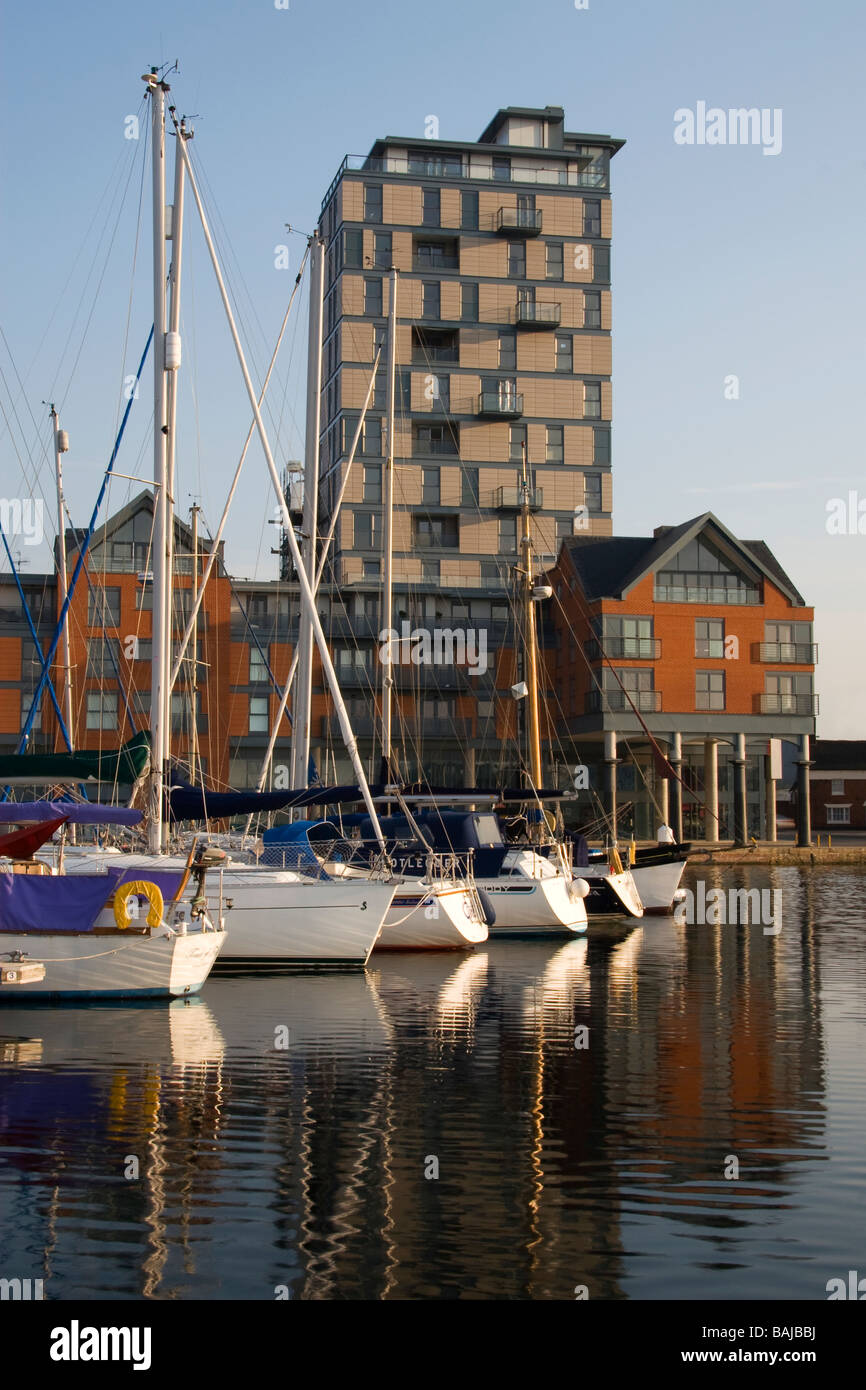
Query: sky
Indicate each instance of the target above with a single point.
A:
(728, 262)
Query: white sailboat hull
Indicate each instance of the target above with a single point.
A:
(534, 906)
(113, 966)
(278, 919)
(432, 919)
(658, 883)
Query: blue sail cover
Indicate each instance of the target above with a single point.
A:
(47, 904)
(291, 846)
(76, 812)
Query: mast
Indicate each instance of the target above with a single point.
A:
(173, 233)
(530, 642)
(159, 671)
(306, 589)
(301, 708)
(61, 445)
(388, 501)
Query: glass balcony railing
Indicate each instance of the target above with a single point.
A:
(788, 704)
(530, 315)
(523, 221)
(510, 499)
(504, 404)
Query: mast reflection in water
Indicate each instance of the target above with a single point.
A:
(439, 1129)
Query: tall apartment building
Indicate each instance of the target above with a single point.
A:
(502, 248)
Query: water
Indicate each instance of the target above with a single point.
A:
(302, 1168)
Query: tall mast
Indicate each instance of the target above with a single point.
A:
(301, 707)
(159, 671)
(61, 445)
(530, 642)
(388, 502)
(174, 233)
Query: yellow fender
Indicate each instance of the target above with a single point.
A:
(138, 888)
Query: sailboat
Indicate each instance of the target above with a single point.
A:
(76, 936)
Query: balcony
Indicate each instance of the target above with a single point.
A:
(788, 704)
(633, 648)
(435, 263)
(529, 315)
(519, 221)
(614, 701)
(510, 499)
(500, 405)
(798, 653)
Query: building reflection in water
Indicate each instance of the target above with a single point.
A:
(310, 1166)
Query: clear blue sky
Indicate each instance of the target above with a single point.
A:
(725, 261)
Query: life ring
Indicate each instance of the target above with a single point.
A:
(138, 888)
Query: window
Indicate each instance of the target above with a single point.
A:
(838, 815)
(564, 354)
(430, 215)
(469, 211)
(837, 786)
(101, 709)
(508, 351)
(371, 438)
(710, 690)
(144, 598)
(508, 535)
(258, 667)
(517, 259)
(553, 269)
(380, 337)
(372, 202)
(592, 491)
(430, 488)
(592, 309)
(372, 569)
(372, 482)
(601, 265)
(501, 169)
(591, 217)
(373, 294)
(554, 452)
(710, 637)
(629, 637)
(436, 532)
(600, 445)
(787, 694)
(433, 255)
(564, 527)
(469, 303)
(592, 400)
(517, 443)
(434, 439)
(382, 250)
(259, 722)
(103, 609)
(469, 487)
(428, 165)
(366, 531)
(430, 299)
(430, 571)
(700, 573)
(353, 248)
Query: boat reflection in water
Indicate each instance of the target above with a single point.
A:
(516, 1123)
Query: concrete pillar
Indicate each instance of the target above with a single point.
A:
(610, 779)
(675, 758)
(804, 810)
(770, 831)
(711, 789)
(741, 817)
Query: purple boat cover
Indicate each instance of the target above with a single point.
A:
(76, 812)
(46, 903)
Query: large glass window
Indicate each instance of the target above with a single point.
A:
(372, 202)
(710, 637)
(469, 302)
(553, 268)
(701, 573)
(373, 295)
(564, 353)
(469, 211)
(101, 709)
(430, 215)
(103, 609)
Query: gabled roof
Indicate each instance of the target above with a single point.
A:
(610, 566)
(143, 501)
(838, 754)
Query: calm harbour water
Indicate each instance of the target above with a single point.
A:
(304, 1166)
